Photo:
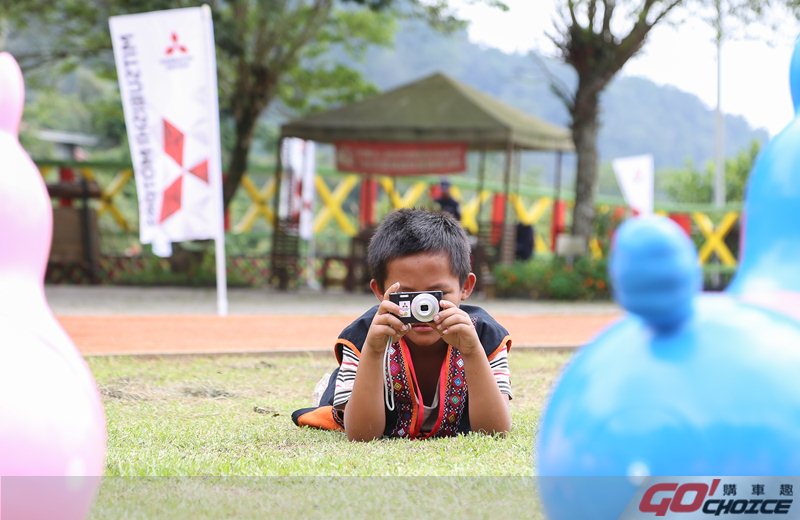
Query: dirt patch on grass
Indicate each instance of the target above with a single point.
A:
(131, 389)
(207, 392)
(128, 389)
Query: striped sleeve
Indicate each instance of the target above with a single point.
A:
(346, 377)
(499, 366)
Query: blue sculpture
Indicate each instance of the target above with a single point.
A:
(687, 384)
(769, 268)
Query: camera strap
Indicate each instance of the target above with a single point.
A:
(388, 387)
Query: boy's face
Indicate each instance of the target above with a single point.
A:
(425, 272)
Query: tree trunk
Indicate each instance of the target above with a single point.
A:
(237, 165)
(585, 123)
(597, 55)
(255, 89)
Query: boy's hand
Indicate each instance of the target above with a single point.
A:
(456, 327)
(386, 324)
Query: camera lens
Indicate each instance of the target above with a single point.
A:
(424, 307)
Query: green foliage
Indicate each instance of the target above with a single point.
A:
(691, 185)
(553, 279)
(330, 85)
(155, 271)
(638, 115)
(79, 101)
(606, 221)
(266, 50)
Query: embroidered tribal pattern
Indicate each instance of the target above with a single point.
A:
(404, 402)
(455, 395)
(452, 399)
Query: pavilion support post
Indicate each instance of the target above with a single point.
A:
(276, 197)
(481, 181)
(368, 201)
(556, 223)
(284, 256)
(506, 237)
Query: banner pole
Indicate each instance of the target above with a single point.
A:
(167, 73)
(219, 239)
(222, 279)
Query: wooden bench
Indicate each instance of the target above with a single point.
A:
(75, 230)
(357, 274)
(329, 263)
(285, 255)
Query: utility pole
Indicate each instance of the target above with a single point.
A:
(719, 135)
(719, 127)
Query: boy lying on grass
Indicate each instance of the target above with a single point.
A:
(435, 379)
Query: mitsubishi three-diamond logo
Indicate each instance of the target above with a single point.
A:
(176, 54)
(182, 150)
(175, 46)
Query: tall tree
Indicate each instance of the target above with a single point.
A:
(597, 38)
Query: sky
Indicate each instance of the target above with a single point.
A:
(755, 62)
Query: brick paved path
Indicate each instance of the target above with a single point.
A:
(191, 334)
(135, 321)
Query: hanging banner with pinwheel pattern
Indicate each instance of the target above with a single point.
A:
(167, 77)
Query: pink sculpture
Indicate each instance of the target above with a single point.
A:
(52, 426)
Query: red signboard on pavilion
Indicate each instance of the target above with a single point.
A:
(387, 158)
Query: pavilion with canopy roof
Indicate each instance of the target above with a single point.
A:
(421, 128)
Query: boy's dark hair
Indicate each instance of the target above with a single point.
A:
(410, 231)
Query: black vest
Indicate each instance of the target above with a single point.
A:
(492, 335)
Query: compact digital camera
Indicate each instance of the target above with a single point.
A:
(417, 307)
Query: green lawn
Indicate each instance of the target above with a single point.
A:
(203, 435)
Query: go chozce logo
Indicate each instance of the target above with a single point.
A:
(693, 497)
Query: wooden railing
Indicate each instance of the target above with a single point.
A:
(333, 211)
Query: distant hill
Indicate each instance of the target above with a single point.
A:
(638, 116)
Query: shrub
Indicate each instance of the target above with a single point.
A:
(553, 278)
(150, 270)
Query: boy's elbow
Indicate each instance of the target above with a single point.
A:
(502, 432)
(500, 429)
(361, 431)
(506, 428)
(357, 436)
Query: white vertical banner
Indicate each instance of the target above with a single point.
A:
(307, 190)
(635, 176)
(292, 161)
(299, 161)
(167, 71)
